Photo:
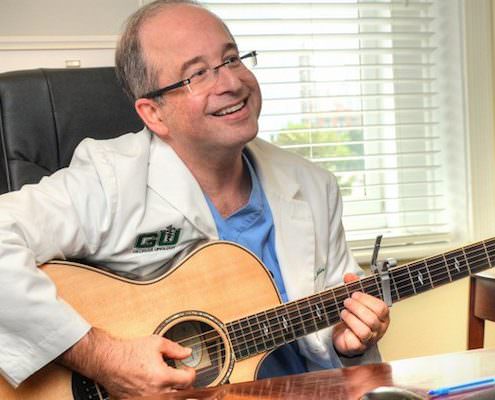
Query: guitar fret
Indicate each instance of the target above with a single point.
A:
(288, 330)
(331, 306)
(332, 310)
(378, 285)
(439, 273)
(490, 245)
(353, 287)
(340, 294)
(238, 340)
(253, 337)
(260, 338)
(428, 272)
(447, 267)
(309, 322)
(456, 264)
(277, 329)
(336, 303)
(297, 321)
(393, 285)
(368, 285)
(477, 257)
(267, 331)
(486, 252)
(361, 285)
(411, 279)
(402, 278)
(248, 336)
(324, 310)
(421, 278)
(347, 290)
(467, 263)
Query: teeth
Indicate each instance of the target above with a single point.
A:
(230, 110)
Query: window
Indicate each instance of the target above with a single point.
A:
(372, 91)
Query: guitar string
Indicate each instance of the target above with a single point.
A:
(216, 369)
(312, 318)
(443, 275)
(474, 265)
(433, 271)
(223, 351)
(274, 338)
(479, 253)
(396, 282)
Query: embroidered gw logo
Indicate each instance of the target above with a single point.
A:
(164, 238)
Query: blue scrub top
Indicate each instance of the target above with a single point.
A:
(252, 227)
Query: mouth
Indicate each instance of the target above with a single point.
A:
(230, 110)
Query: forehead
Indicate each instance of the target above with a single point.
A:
(179, 33)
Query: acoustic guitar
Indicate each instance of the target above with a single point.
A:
(228, 312)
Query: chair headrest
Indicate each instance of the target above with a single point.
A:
(45, 113)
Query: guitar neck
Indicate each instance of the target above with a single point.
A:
(287, 322)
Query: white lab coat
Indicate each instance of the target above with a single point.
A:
(117, 189)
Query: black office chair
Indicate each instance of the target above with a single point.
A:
(45, 113)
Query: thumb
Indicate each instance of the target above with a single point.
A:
(350, 277)
(174, 350)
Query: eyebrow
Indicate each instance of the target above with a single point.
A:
(197, 59)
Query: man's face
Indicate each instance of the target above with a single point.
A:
(180, 41)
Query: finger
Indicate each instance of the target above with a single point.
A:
(359, 329)
(353, 343)
(345, 342)
(174, 350)
(179, 378)
(376, 305)
(366, 316)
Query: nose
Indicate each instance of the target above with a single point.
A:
(227, 80)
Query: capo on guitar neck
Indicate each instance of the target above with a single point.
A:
(381, 268)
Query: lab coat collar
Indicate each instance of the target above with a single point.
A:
(272, 179)
(171, 179)
(295, 234)
(294, 226)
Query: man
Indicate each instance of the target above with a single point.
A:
(197, 167)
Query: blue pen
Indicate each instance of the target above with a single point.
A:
(462, 388)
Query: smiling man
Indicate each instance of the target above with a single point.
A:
(197, 171)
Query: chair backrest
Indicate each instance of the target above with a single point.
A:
(45, 113)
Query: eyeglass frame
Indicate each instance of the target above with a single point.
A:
(185, 82)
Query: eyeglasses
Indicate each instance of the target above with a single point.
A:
(205, 78)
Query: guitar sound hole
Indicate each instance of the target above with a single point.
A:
(208, 350)
(86, 389)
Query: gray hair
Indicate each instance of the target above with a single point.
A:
(135, 75)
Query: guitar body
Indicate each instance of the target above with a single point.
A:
(204, 291)
(221, 301)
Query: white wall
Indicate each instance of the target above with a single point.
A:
(63, 17)
(55, 33)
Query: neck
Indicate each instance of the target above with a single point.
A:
(228, 188)
(224, 178)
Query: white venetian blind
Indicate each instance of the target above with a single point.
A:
(354, 87)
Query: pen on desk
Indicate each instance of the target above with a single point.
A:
(462, 388)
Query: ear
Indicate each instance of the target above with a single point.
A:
(150, 112)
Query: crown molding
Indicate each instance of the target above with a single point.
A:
(13, 43)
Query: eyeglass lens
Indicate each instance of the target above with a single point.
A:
(205, 79)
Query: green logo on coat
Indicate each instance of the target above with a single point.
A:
(150, 241)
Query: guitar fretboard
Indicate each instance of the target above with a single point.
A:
(285, 323)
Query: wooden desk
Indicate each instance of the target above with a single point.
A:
(418, 375)
(481, 306)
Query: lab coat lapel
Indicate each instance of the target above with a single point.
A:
(294, 229)
(171, 179)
